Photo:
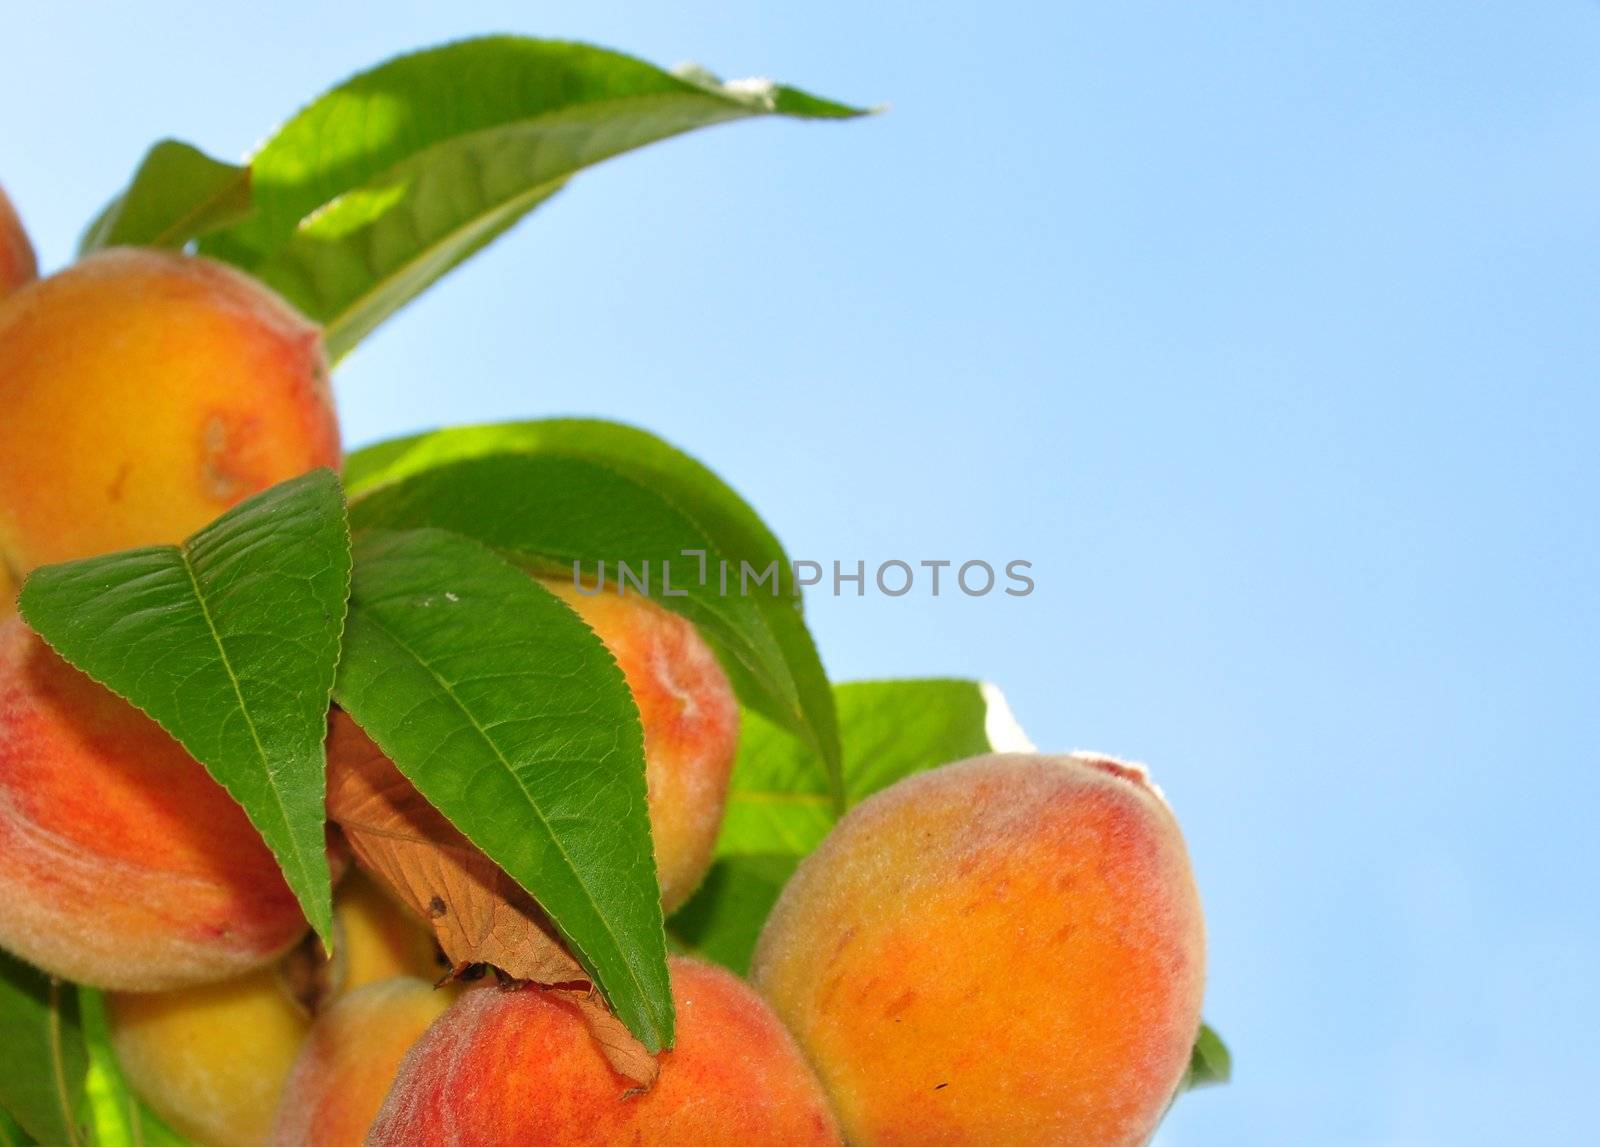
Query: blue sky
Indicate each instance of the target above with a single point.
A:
(1265, 331)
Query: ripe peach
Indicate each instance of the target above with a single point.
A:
(144, 393)
(344, 1071)
(124, 864)
(210, 1060)
(17, 262)
(691, 727)
(1005, 950)
(379, 938)
(509, 1068)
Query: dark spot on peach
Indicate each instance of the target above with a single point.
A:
(900, 1003)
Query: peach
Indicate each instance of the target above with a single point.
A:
(347, 1065)
(18, 264)
(145, 392)
(1005, 950)
(124, 864)
(510, 1068)
(211, 1060)
(378, 938)
(691, 727)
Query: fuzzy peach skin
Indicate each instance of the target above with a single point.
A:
(512, 1068)
(17, 262)
(211, 1060)
(691, 727)
(144, 393)
(346, 1067)
(1008, 950)
(123, 864)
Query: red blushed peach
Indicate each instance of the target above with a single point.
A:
(144, 393)
(17, 262)
(124, 864)
(512, 1068)
(691, 727)
(346, 1066)
(1005, 950)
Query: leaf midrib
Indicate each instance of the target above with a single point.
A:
(333, 327)
(538, 812)
(244, 709)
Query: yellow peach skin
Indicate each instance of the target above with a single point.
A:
(212, 1060)
(378, 938)
(17, 262)
(124, 864)
(144, 393)
(691, 727)
(1008, 950)
(346, 1066)
(513, 1068)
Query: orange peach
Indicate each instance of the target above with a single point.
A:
(347, 1065)
(18, 264)
(510, 1068)
(1005, 950)
(691, 727)
(145, 392)
(124, 864)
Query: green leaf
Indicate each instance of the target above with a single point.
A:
(389, 180)
(178, 194)
(778, 811)
(889, 730)
(737, 529)
(230, 642)
(1211, 1062)
(12, 1134)
(733, 528)
(512, 719)
(117, 1116)
(552, 510)
(42, 1055)
(723, 920)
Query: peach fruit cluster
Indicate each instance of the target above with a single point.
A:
(1007, 950)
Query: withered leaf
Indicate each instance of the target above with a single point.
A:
(626, 1055)
(478, 913)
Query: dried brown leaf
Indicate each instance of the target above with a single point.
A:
(626, 1055)
(479, 914)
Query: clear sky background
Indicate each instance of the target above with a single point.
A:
(1266, 331)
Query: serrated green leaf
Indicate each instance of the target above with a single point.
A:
(1210, 1064)
(509, 715)
(392, 178)
(230, 643)
(177, 194)
(778, 811)
(733, 527)
(42, 1056)
(552, 510)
